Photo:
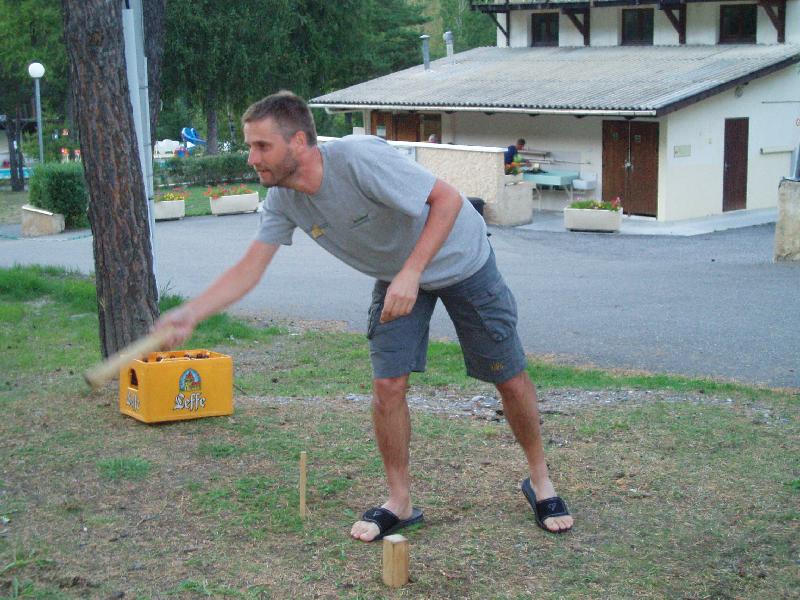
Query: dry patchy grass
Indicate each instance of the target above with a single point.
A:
(673, 499)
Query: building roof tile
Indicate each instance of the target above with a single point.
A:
(631, 80)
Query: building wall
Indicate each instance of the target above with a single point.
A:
(574, 144)
(691, 186)
(702, 26)
(793, 22)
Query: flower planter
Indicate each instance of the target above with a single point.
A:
(166, 210)
(238, 203)
(590, 219)
(37, 222)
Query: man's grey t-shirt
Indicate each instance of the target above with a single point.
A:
(369, 212)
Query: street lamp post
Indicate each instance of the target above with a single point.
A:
(36, 70)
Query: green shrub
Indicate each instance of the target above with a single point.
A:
(60, 188)
(204, 170)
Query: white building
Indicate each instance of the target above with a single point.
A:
(684, 109)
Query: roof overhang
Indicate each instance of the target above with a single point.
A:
(336, 108)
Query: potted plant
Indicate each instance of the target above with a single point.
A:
(226, 200)
(594, 215)
(170, 204)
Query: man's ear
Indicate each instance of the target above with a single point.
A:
(299, 139)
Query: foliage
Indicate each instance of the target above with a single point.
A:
(175, 115)
(240, 52)
(30, 30)
(229, 166)
(470, 28)
(174, 194)
(60, 188)
(53, 141)
(614, 204)
(227, 190)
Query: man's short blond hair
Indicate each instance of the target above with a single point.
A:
(289, 111)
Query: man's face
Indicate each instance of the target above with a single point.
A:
(271, 156)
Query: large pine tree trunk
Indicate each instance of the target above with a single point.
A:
(126, 287)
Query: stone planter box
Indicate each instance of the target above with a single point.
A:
(239, 203)
(589, 219)
(37, 222)
(167, 210)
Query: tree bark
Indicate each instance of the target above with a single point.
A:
(126, 287)
(15, 159)
(154, 32)
(212, 147)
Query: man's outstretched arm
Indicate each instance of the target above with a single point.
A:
(229, 287)
(445, 204)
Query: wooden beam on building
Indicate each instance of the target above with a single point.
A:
(676, 16)
(584, 26)
(776, 11)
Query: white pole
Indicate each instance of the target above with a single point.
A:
(136, 66)
(36, 70)
(39, 121)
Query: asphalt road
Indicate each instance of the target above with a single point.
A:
(710, 305)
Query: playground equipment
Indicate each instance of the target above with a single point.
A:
(190, 136)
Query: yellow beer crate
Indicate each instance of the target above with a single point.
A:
(177, 385)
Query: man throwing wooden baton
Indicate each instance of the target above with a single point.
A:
(422, 241)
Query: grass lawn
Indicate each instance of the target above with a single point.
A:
(681, 488)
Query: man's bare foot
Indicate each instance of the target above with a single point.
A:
(367, 531)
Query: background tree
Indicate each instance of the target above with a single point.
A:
(126, 287)
(223, 56)
(471, 29)
(30, 30)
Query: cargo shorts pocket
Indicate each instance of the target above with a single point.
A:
(497, 310)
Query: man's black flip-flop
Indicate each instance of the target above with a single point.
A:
(544, 509)
(388, 522)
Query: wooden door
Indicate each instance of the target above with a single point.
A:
(403, 127)
(615, 157)
(406, 127)
(643, 172)
(734, 173)
(630, 165)
(382, 124)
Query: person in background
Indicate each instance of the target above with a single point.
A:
(434, 139)
(512, 152)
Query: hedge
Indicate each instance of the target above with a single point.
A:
(204, 170)
(60, 188)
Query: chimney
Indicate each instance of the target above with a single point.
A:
(426, 51)
(448, 40)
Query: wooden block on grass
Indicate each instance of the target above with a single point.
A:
(395, 560)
